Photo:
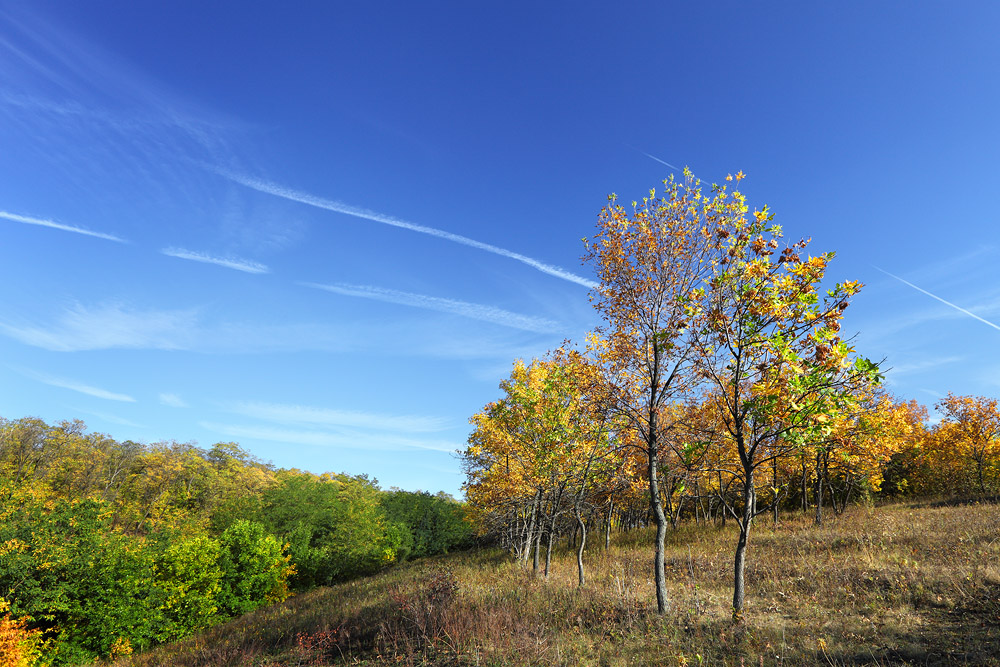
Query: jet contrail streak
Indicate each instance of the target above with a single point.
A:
(56, 225)
(366, 214)
(934, 296)
(653, 157)
(230, 263)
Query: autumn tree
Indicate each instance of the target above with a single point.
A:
(650, 260)
(858, 454)
(770, 349)
(534, 450)
(512, 460)
(970, 427)
(901, 474)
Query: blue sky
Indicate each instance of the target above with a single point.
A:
(326, 230)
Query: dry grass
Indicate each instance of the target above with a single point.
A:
(892, 585)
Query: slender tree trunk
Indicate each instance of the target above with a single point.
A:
(607, 526)
(837, 509)
(583, 542)
(850, 491)
(675, 512)
(739, 568)
(529, 536)
(829, 482)
(805, 487)
(552, 530)
(548, 553)
(700, 504)
(656, 506)
(535, 558)
(819, 490)
(774, 485)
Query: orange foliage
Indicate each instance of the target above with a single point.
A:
(19, 646)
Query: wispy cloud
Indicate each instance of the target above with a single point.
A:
(302, 414)
(228, 262)
(937, 298)
(109, 326)
(111, 419)
(465, 309)
(113, 325)
(24, 219)
(367, 214)
(922, 365)
(339, 440)
(173, 401)
(73, 385)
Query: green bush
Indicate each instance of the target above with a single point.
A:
(435, 524)
(255, 569)
(189, 577)
(334, 526)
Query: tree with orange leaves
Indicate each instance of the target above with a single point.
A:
(770, 349)
(651, 259)
(971, 429)
(533, 452)
(858, 454)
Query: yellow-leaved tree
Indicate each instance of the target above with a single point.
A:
(770, 351)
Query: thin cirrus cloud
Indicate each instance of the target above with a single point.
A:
(51, 224)
(463, 308)
(172, 401)
(244, 265)
(366, 214)
(109, 326)
(339, 440)
(76, 386)
(920, 366)
(302, 414)
(112, 419)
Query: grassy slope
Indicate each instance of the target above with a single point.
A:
(893, 585)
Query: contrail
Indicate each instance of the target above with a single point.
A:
(653, 157)
(465, 309)
(366, 214)
(230, 263)
(56, 225)
(934, 296)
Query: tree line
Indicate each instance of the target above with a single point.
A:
(719, 388)
(107, 547)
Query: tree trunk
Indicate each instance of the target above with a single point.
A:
(837, 509)
(548, 553)
(607, 526)
(661, 530)
(529, 536)
(819, 490)
(583, 542)
(552, 530)
(739, 567)
(535, 558)
(774, 485)
(805, 487)
(675, 512)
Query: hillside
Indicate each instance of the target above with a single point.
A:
(899, 584)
